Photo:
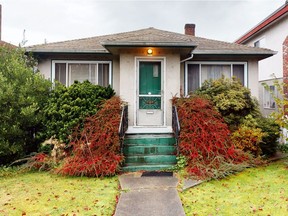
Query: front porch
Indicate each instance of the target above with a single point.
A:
(148, 148)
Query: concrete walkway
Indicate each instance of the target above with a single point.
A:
(152, 196)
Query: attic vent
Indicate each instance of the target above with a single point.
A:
(190, 29)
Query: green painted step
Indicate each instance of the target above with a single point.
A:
(149, 152)
(145, 159)
(150, 149)
(150, 141)
(150, 167)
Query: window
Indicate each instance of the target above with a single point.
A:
(197, 72)
(97, 72)
(268, 97)
(260, 43)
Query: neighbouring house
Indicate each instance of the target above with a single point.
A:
(271, 33)
(3, 43)
(146, 68)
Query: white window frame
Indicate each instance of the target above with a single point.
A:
(261, 42)
(54, 62)
(270, 99)
(200, 63)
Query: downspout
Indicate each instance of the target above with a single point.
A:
(184, 60)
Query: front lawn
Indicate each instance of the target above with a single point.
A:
(41, 193)
(256, 191)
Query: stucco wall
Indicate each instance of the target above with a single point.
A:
(116, 75)
(253, 78)
(44, 66)
(273, 38)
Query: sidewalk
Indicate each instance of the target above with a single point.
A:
(152, 196)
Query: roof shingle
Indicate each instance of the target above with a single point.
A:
(148, 36)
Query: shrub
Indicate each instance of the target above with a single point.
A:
(67, 107)
(231, 99)
(248, 139)
(23, 93)
(96, 148)
(39, 162)
(205, 139)
(270, 140)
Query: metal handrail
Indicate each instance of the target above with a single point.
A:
(123, 126)
(176, 126)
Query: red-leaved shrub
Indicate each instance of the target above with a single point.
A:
(205, 140)
(40, 162)
(96, 149)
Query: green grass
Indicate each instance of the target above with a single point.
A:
(41, 193)
(256, 191)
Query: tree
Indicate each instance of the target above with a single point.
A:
(23, 93)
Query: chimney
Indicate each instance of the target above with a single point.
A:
(0, 20)
(190, 29)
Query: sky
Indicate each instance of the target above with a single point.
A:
(60, 20)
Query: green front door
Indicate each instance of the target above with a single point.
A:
(150, 107)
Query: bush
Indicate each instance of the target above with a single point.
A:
(270, 140)
(23, 93)
(67, 107)
(231, 99)
(205, 139)
(39, 162)
(248, 139)
(96, 148)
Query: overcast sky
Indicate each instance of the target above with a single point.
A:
(60, 20)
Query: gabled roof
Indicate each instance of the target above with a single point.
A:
(3, 43)
(280, 13)
(149, 37)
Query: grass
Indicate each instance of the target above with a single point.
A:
(256, 191)
(41, 193)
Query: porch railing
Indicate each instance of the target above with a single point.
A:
(123, 126)
(176, 126)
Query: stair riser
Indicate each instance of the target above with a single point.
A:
(160, 159)
(130, 150)
(151, 141)
(146, 168)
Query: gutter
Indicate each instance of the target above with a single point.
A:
(187, 59)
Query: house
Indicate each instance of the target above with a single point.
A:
(270, 33)
(146, 68)
(3, 43)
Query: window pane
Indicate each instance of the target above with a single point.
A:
(103, 74)
(193, 77)
(272, 101)
(215, 72)
(238, 72)
(78, 72)
(60, 73)
(269, 101)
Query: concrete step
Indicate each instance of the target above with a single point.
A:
(147, 159)
(149, 149)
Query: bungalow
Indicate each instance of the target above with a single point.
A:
(146, 68)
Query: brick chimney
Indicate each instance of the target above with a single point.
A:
(190, 29)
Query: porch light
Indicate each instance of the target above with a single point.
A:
(149, 51)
